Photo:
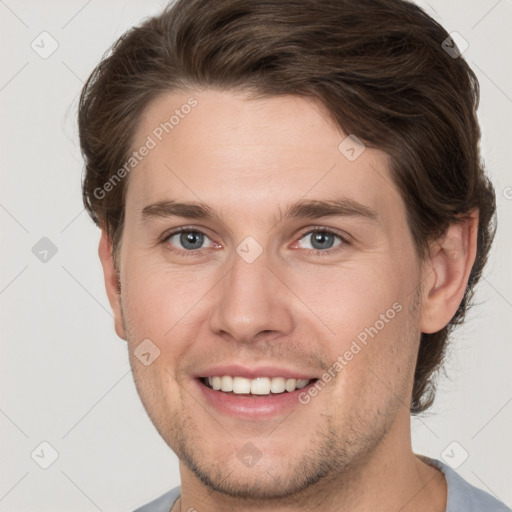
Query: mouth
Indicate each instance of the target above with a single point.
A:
(259, 386)
(255, 396)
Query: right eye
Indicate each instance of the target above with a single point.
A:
(189, 241)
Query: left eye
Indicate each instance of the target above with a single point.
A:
(320, 240)
(189, 240)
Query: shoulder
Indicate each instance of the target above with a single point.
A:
(464, 497)
(162, 504)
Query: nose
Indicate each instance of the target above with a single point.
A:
(252, 303)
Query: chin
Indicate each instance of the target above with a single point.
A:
(267, 476)
(268, 482)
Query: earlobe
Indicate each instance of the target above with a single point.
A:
(446, 273)
(111, 282)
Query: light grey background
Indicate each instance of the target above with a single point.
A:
(64, 375)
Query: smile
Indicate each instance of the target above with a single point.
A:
(256, 386)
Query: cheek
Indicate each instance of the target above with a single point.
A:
(365, 317)
(350, 298)
(159, 393)
(158, 298)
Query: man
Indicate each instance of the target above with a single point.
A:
(283, 250)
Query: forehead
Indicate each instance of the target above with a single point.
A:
(229, 150)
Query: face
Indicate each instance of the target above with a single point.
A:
(260, 257)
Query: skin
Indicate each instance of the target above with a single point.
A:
(349, 448)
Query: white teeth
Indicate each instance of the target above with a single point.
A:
(216, 383)
(277, 385)
(241, 385)
(301, 383)
(260, 386)
(226, 383)
(257, 386)
(290, 384)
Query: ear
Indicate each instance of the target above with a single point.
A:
(446, 273)
(111, 282)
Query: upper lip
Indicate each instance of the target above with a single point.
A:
(254, 371)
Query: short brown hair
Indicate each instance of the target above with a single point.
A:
(378, 66)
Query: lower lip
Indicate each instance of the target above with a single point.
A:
(252, 406)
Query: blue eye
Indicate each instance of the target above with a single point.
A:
(320, 240)
(189, 240)
(192, 241)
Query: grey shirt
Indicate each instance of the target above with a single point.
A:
(462, 496)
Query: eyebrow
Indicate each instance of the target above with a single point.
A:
(309, 209)
(170, 208)
(333, 208)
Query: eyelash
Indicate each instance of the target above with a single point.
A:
(182, 252)
(200, 252)
(325, 252)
